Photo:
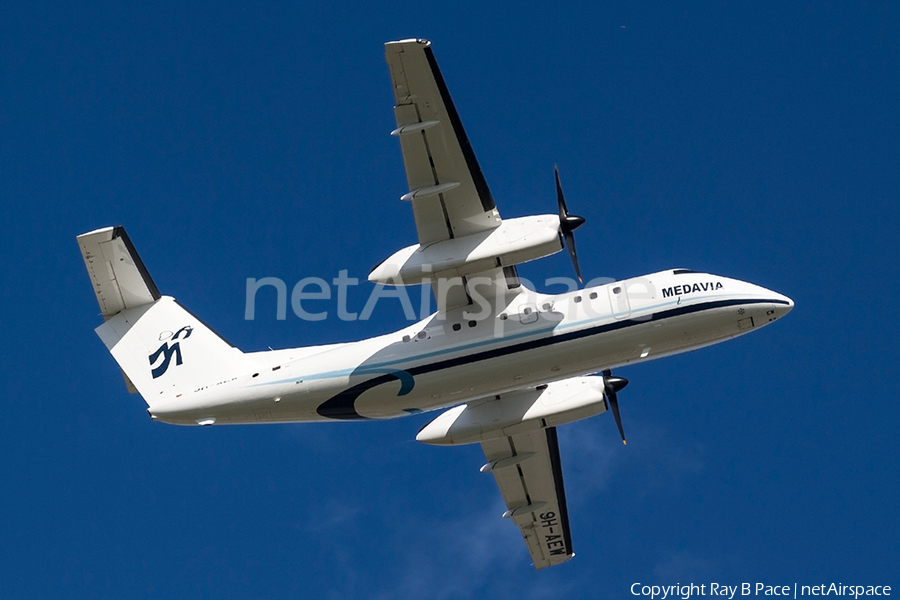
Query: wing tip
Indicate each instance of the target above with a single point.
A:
(421, 41)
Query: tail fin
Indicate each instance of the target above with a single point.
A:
(162, 348)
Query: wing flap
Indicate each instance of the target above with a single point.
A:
(534, 493)
(431, 222)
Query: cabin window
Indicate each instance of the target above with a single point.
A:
(529, 314)
(617, 290)
(503, 316)
(577, 299)
(546, 306)
(457, 327)
(421, 335)
(472, 323)
(593, 295)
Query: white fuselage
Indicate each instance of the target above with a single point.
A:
(529, 339)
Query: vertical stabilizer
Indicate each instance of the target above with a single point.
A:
(163, 350)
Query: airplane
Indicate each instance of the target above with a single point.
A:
(507, 364)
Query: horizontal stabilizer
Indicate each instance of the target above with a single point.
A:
(119, 277)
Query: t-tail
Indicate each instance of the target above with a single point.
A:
(163, 350)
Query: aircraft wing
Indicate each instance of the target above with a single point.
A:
(449, 195)
(533, 491)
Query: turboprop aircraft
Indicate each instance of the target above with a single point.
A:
(506, 363)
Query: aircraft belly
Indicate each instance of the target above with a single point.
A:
(497, 375)
(502, 373)
(459, 384)
(374, 392)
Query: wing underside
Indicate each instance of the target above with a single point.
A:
(449, 194)
(529, 475)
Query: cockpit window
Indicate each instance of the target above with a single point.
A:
(683, 271)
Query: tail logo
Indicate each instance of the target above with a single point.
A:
(167, 350)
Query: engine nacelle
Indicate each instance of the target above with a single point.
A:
(513, 242)
(523, 410)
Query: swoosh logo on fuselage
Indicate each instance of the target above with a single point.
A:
(342, 406)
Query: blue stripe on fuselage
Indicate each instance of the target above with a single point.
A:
(342, 406)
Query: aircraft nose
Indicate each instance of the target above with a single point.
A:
(783, 309)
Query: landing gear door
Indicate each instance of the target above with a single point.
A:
(618, 299)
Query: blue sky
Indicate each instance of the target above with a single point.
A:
(758, 141)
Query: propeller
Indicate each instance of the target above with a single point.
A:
(567, 224)
(612, 385)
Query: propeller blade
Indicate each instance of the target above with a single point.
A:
(567, 223)
(560, 199)
(612, 385)
(614, 404)
(570, 244)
